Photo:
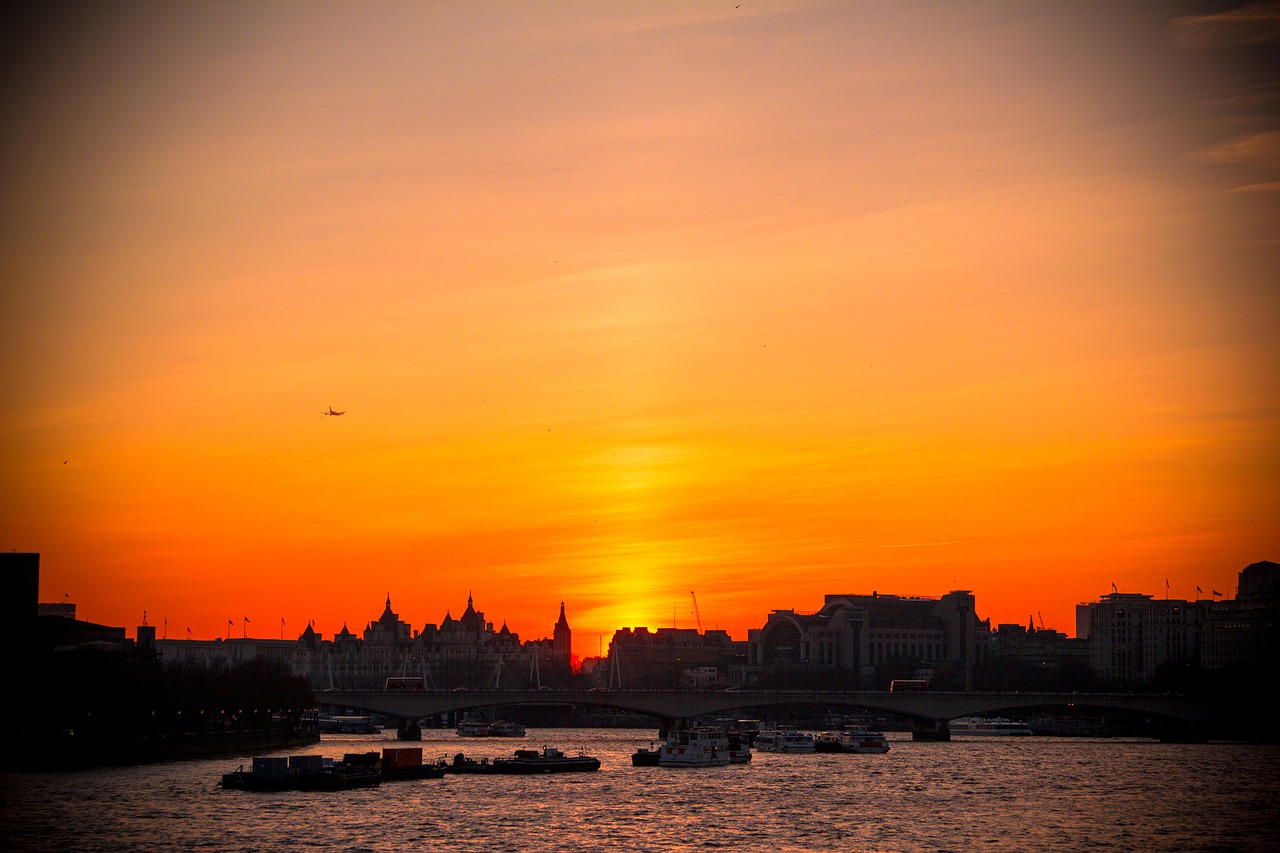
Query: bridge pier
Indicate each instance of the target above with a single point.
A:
(1182, 731)
(930, 730)
(408, 729)
(666, 724)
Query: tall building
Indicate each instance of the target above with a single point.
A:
(1244, 635)
(20, 593)
(1132, 635)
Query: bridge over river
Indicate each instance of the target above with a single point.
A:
(1178, 717)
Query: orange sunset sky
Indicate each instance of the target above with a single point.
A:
(624, 300)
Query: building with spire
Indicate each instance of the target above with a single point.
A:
(562, 639)
(462, 652)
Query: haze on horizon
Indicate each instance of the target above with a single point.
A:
(624, 300)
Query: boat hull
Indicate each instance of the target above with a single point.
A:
(241, 780)
(424, 771)
(645, 757)
(524, 763)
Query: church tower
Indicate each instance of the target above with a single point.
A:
(563, 639)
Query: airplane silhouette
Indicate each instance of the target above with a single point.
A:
(332, 412)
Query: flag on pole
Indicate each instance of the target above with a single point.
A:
(1113, 587)
(1199, 590)
(1215, 592)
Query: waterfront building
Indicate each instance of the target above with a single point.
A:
(1132, 635)
(1025, 657)
(462, 652)
(670, 657)
(1244, 635)
(867, 640)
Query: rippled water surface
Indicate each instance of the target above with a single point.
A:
(990, 794)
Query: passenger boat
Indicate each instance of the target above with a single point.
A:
(1000, 726)
(851, 739)
(524, 762)
(301, 773)
(498, 728)
(349, 726)
(1070, 726)
(739, 747)
(699, 746)
(784, 740)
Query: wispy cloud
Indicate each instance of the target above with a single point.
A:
(1252, 24)
(926, 544)
(1265, 187)
(1257, 148)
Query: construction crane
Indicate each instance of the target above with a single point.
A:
(1041, 620)
(696, 614)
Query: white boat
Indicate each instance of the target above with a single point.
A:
(785, 740)
(701, 746)
(998, 726)
(852, 739)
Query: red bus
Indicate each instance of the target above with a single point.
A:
(908, 685)
(413, 684)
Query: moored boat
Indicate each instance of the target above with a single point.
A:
(784, 740)
(1070, 726)
(497, 728)
(851, 738)
(524, 762)
(301, 773)
(349, 726)
(549, 760)
(699, 746)
(999, 726)
(646, 757)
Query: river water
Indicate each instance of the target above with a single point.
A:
(1014, 794)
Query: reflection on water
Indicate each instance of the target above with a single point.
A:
(994, 794)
